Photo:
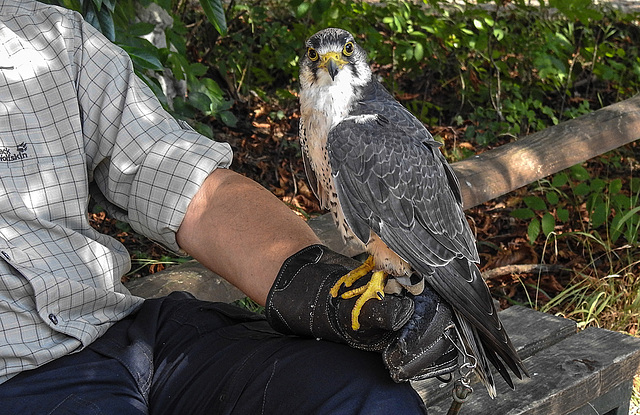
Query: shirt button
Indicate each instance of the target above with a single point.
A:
(53, 318)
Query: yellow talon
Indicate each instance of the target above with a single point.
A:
(374, 289)
(353, 276)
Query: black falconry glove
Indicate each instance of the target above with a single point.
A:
(414, 346)
(424, 347)
(300, 303)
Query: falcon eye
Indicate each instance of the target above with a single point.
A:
(348, 49)
(312, 54)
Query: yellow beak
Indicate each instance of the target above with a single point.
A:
(332, 62)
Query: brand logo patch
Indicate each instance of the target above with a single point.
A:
(6, 154)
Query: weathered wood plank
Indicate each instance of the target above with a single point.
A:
(511, 166)
(564, 377)
(530, 332)
(616, 399)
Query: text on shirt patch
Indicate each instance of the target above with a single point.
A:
(7, 155)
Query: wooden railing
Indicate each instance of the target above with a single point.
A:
(511, 166)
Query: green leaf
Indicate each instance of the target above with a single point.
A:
(563, 214)
(560, 180)
(303, 8)
(548, 223)
(599, 214)
(198, 69)
(615, 186)
(579, 173)
(626, 217)
(228, 118)
(106, 23)
(581, 189)
(319, 8)
(418, 51)
(144, 58)
(215, 14)
(615, 229)
(553, 198)
(597, 185)
(183, 108)
(176, 63)
(200, 101)
(110, 4)
(621, 201)
(140, 29)
(534, 230)
(523, 213)
(99, 17)
(535, 203)
(203, 129)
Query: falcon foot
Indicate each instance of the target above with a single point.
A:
(374, 289)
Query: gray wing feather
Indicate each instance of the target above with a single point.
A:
(391, 177)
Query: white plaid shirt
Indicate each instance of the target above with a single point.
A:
(76, 122)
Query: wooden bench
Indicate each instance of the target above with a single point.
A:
(577, 373)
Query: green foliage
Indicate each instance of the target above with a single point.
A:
(509, 70)
(215, 13)
(608, 208)
(116, 19)
(248, 304)
(612, 301)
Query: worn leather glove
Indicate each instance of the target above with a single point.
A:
(413, 344)
(300, 303)
(424, 347)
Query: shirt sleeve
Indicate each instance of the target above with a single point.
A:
(146, 165)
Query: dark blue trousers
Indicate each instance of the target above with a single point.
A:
(181, 356)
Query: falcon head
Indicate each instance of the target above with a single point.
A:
(332, 56)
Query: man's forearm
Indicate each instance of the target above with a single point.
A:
(242, 232)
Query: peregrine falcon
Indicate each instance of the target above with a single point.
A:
(380, 173)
